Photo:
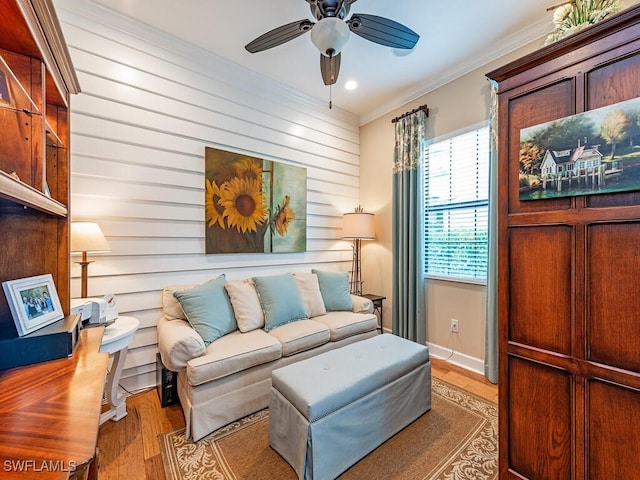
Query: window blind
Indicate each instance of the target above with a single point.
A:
(456, 191)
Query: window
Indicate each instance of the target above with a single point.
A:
(456, 190)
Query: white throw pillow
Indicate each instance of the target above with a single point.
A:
(246, 305)
(309, 288)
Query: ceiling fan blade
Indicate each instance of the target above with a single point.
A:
(279, 35)
(330, 68)
(383, 31)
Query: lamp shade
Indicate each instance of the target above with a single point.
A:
(87, 237)
(330, 35)
(358, 225)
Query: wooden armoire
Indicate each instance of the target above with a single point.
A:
(568, 276)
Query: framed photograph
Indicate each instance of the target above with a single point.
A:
(33, 301)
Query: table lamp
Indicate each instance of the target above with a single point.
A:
(357, 226)
(87, 237)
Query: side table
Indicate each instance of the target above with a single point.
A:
(115, 341)
(377, 304)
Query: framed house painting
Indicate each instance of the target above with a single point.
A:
(594, 152)
(253, 205)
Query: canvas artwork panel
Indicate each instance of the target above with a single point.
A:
(589, 153)
(253, 205)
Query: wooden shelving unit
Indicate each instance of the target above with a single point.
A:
(36, 81)
(25, 195)
(51, 410)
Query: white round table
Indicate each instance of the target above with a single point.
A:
(115, 341)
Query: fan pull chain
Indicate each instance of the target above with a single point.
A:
(330, 99)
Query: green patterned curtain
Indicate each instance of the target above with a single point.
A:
(491, 329)
(408, 233)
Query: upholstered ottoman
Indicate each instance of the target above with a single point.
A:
(329, 411)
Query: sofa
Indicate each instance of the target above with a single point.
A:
(224, 338)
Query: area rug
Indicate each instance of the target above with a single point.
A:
(456, 440)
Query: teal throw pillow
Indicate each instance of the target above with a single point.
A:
(334, 287)
(280, 300)
(208, 309)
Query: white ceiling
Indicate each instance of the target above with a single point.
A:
(457, 36)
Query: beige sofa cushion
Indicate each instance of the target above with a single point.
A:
(300, 336)
(233, 353)
(309, 289)
(170, 304)
(347, 324)
(246, 304)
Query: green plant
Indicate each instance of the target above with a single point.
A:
(578, 14)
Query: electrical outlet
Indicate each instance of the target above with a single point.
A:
(454, 326)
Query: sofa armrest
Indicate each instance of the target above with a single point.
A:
(361, 304)
(178, 343)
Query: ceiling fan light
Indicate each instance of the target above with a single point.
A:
(330, 35)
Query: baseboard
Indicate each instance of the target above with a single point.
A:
(473, 364)
(476, 365)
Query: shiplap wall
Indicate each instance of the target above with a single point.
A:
(149, 105)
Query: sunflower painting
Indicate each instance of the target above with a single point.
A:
(253, 205)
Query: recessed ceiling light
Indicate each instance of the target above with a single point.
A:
(351, 85)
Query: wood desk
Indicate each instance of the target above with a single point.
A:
(50, 412)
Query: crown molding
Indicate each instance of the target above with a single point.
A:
(534, 32)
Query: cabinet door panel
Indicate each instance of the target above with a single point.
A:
(613, 294)
(540, 287)
(614, 82)
(540, 106)
(539, 421)
(606, 85)
(614, 422)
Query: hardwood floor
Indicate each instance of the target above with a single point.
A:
(130, 449)
(465, 379)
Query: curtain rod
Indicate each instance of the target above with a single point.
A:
(421, 108)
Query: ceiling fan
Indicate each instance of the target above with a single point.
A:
(331, 33)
